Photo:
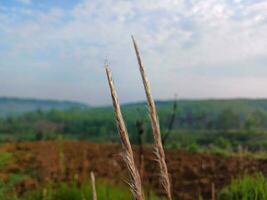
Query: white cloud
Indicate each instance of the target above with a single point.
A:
(176, 37)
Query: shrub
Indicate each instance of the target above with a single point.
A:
(223, 143)
(193, 148)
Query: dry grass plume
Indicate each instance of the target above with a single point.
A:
(93, 186)
(135, 181)
(155, 127)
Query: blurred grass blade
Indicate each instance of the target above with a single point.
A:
(155, 127)
(135, 181)
(93, 186)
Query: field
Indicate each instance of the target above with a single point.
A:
(193, 174)
(213, 148)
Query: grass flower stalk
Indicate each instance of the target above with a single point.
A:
(93, 186)
(135, 181)
(155, 127)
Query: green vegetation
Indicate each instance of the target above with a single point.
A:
(219, 126)
(5, 158)
(222, 127)
(71, 191)
(8, 186)
(246, 188)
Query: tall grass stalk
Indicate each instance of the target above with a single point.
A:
(135, 181)
(93, 186)
(155, 126)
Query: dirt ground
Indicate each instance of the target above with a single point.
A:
(192, 174)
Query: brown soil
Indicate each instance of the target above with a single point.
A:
(192, 174)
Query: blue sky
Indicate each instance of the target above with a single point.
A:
(55, 49)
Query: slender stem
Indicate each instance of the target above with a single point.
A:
(171, 122)
(135, 181)
(155, 127)
(93, 186)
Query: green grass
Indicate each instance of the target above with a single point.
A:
(70, 191)
(8, 187)
(5, 158)
(246, 188)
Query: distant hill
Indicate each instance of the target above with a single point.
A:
(201, 122)
(195, 113)
(13, 106)
(239, 105)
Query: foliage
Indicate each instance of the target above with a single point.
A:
(246, 188)
(193, 148)
(216, 124)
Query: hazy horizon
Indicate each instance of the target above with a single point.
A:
(196, 49)
(137, 101)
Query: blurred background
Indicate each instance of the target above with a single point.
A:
(206, 62)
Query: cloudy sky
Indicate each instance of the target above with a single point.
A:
(55, 49)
